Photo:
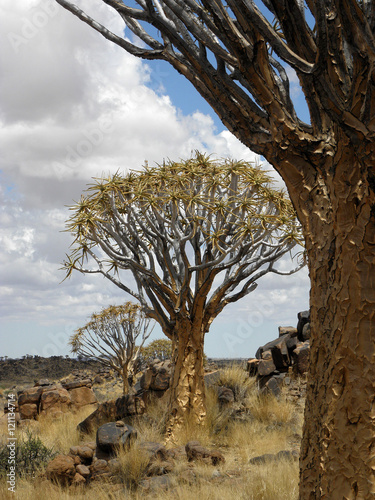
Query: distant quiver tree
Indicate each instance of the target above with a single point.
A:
(196, 235)
(111, 336)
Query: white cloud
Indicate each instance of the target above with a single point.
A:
(73, 107)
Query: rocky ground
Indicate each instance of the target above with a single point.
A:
(97, 442)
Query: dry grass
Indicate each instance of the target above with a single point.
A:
(264, 424)
(132, 465)
(61, 433)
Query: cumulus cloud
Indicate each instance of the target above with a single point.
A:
(73, 107)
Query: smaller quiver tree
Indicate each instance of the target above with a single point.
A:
(111, 336)
(196, 236)
(157, 349)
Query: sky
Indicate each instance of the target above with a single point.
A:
(73, 106)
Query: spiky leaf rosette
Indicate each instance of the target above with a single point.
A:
(177, 227)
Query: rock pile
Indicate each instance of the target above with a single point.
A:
(289, 352)
(156, 377)
(54, 399)
(94, 461)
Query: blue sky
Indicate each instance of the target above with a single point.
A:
(73, 107)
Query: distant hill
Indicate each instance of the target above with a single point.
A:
(32, 368)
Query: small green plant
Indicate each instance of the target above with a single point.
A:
(30, 455)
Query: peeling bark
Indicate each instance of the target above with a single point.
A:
(187, 391)
(337, 455)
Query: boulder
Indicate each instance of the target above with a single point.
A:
(83, 470)
(252, 366)
(225, 396)
(155, 450)
(99, 468)
(43, 382)
(271, 384)
(157, 376)
(266, 364)
(306, 330)
(195, 451)
(84, 452)
(78, 479)
(28, 411)
(56, 399)
(270, 457)
(303, 318)
(75, 384)
(159, 467)
(111, 436)
(113, 410)
(30, 396)
(82, 396)
(301, 355)
(288, 330)
(61, 469)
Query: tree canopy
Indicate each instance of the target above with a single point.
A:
(114, 337)
(177, 227)
(239, 53)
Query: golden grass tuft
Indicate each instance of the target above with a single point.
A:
(132, 465)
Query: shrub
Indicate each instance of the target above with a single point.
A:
(30, 455)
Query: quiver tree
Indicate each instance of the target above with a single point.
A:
(157, 349)
(196, 236)
(114, 337)
(239, 55)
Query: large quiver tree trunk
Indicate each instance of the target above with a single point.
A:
(338, 447)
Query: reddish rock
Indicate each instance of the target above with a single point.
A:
(100, 469)
(83, 470)
(82, 396)
(78, 479)
(30, 396)
(57, 399)
(61, 469)
(28, 411)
